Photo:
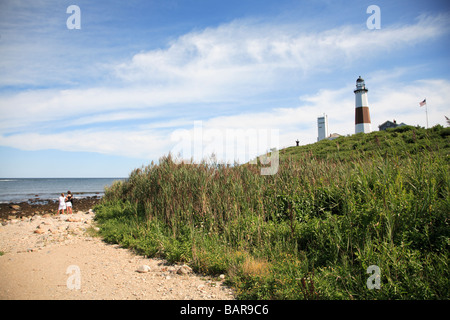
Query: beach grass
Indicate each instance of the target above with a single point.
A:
(310, 231)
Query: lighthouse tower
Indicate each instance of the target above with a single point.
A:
(362, 115)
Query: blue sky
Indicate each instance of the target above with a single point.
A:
(121, 91)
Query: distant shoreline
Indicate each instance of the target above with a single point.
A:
(47, 190)
(19, 209)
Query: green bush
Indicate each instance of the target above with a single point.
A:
(308, 232)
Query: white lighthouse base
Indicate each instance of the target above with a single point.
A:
(363, 127)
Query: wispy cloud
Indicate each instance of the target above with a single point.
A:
(299, 122)
(232, 64)
(241, 53)
(141, 144)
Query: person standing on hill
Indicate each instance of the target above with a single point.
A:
(62, 204)
(69, 199)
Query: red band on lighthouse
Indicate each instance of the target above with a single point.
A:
(362, 115)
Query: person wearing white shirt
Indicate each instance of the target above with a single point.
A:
(62, 204)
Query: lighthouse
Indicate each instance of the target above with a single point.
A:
(362, 115)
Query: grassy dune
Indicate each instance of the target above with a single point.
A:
(308, 232)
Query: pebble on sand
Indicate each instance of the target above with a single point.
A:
(143, 268)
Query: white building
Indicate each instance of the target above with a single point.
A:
(322, 127)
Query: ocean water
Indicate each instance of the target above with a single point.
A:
(42, 189)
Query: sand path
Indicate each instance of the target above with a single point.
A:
(53, 257)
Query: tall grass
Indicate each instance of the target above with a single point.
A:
(308, 232)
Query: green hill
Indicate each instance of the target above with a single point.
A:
(401, 141)
(334, 211)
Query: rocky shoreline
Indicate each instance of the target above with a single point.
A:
(19, 210)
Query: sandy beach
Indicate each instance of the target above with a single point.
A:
(59, 257)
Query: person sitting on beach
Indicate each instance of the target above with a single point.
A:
(62, 204)
(69, 199)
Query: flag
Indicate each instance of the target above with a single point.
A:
(424, 102)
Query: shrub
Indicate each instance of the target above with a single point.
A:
(308, 232)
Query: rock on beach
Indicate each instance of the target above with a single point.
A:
(15, 207)
(42, 231)
(184, 269)
(143, 268)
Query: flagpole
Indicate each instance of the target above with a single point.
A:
(424, 102)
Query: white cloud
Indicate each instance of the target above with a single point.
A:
(386, 103)
(244, 47)
(402, 102)
(134, 144)
(234, 62)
